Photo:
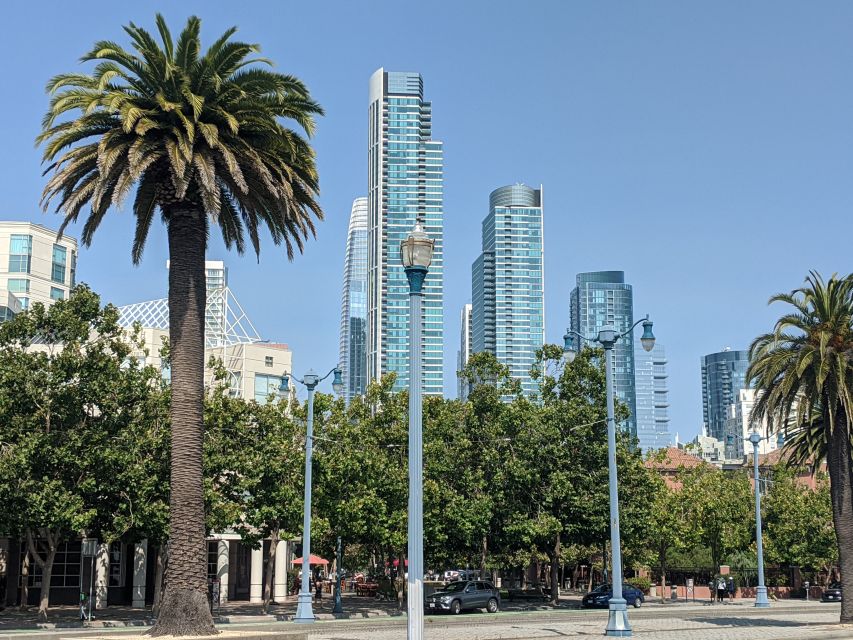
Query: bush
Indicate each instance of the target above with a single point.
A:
(642, 583)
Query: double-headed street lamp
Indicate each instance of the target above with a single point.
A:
(416, 256)
(617, 620)
(761, 589)
(304, 612)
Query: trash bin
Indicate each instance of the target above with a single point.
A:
(673, 593)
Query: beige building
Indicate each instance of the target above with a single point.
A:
(35, 266)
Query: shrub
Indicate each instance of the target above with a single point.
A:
(641, 582)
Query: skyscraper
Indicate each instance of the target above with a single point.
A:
(602, 298)
(464, 349)
(405, 184)
(652, 398)
(353, 345)
(507, 282)
(723, 376)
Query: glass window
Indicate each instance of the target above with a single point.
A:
(57, 294)
(58, 267)
(268, 361)
(66, 565)
(25, 302)
(18, 285)
(116, 565)
(20, 253)
(212, 555)
(266, 386)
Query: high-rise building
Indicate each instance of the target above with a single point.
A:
(723, 376)
(35, 266)
(652, 398)
(464, 350)
(507, 282)
(740, 423)
(353, 346)
(405, 184)
(603, 298)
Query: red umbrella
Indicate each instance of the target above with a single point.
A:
(311, 560)
(397, 562)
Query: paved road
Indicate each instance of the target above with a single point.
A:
(687, 623)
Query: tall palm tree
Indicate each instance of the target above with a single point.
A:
(804, 371)
(201, 138)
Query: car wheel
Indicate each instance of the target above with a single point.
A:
(637, 602)
(455, 607)
(492, 606)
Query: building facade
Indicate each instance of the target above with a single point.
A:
(652, 398)
(35, 266)
(464, 353)
(255, 367)
(508, 282)
(603, 298)
(740, 424)
(405, 184)
(353, 344)
(723, 376)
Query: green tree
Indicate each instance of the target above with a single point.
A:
(201, 138)
(803, 371)
(798, 523)
(72, 400)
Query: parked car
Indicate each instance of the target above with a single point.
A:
(832, 593)
(461, 595)
(599, 598)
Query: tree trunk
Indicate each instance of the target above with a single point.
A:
(838, 461)
(184, 610)
(555, 572)
(159, 567)
(401, 582)
(25, 581)
(270, 569)
(46, 565)
(484, 548)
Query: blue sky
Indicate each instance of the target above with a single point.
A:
(706, 149)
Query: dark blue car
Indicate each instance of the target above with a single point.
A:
(599, 598)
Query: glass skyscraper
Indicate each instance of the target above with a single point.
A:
(507, 282)
(603, 298)
(723, 376)
(465, 338)
(652, 398)
(405, 183)
(353, 346)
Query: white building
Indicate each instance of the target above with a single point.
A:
(652, 396)
(740, 424)
(353, 342)
(464, 353)
(35, 266)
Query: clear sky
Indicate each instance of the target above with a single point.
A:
(706, 149)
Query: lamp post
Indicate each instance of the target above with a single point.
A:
(416, 256)
(761, 589)
(608, 336)
(304, 611)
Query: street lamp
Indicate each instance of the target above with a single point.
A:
(761, 589)
(608, 336)
(416, 256)
(304, 612)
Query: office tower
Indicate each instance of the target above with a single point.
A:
(405, 184)
(507, 282)
(651, 397)
(723, 376)
(35, 266)
(603, 298)
(465, 351)
(353, 346)
(739, 424)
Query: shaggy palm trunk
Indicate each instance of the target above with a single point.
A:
(841, 489)
(184, 610)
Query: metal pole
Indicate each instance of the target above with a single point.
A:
(304, 612)
(761, 590)
(339, 607)
(617, 620)
(415, 600)
(91, 587)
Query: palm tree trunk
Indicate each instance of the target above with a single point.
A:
(184, 610)
(841, 489)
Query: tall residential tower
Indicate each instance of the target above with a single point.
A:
(603, 298)
(353, 345)
(652, 398)
(723, 376)
(507, 282)
(405, 184)
(464, 352)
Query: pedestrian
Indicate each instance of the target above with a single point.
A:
(82, 606)
(730, 587)
(721, 589)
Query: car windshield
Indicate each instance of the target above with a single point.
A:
(602, 588)
(835, 585)
(455, 586)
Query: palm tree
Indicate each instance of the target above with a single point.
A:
(201, 139)
(804, 371)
